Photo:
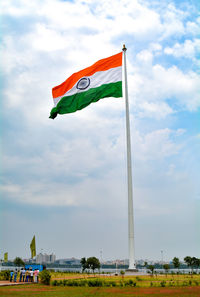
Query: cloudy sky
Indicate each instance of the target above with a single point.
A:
(65, 180)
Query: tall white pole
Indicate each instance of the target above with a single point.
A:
(129, 172)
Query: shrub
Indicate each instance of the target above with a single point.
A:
(64, 282)
(5, 275)
(131, 283)
(163, 283)
(83, 283)
(70, 283)
(75, 283)
(95, 283)
(113, 284)
(55, 283)
(58, 283)
(45, 277)
(170, 284)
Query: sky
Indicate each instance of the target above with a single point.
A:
(65, 180)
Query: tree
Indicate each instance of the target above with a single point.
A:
(93, 263)
(188, 261)
(145, 264)
(84, 264)
(122, 272)
(166, 267)
(18, 262)
(195, 262)
(151, 268)
(176, 262)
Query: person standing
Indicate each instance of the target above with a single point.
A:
(23, 274)
(31, 275)
(11, 276)
(38, 275)
(27, 276)
(35, 276)
(15, 275)
(20, 275)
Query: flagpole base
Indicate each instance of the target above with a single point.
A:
(132, 270)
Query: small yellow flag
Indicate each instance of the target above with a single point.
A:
(5, 257)
(33, 247)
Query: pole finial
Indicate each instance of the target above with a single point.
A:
(124, 47)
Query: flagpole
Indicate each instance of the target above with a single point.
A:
(129, 172)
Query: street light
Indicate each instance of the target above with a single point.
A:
(162, 257)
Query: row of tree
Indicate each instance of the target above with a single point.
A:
(93, 263)
(192, 262)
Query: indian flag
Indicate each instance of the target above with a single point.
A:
(5, 257)
(33, 247)
(102, 79)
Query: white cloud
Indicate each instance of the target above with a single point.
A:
(72, 174)
(157, 110)
(193, 27)
(156, 48)
(155, 84)
(155, 145)
(46, 39)
(173, 21)
(145, 57)
(189, 49)
(18, 8)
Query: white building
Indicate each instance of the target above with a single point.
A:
(44, 258)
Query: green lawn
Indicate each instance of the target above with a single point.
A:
(113, 286)
(138, 281)
(49, 291)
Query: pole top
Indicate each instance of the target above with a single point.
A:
(124, 48)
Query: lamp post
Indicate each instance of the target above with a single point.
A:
(162, 257)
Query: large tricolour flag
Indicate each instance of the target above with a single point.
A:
(102, 79)
(33, 247)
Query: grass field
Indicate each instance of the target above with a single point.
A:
(142, 281)
(114, 286)
(41, 290)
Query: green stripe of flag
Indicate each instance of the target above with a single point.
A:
(69, 104)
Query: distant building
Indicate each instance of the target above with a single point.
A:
(140, 262)
(69, 261)
(44, 258)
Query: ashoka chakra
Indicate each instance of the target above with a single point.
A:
(83, 83)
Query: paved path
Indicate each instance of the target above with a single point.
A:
(8, 283)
